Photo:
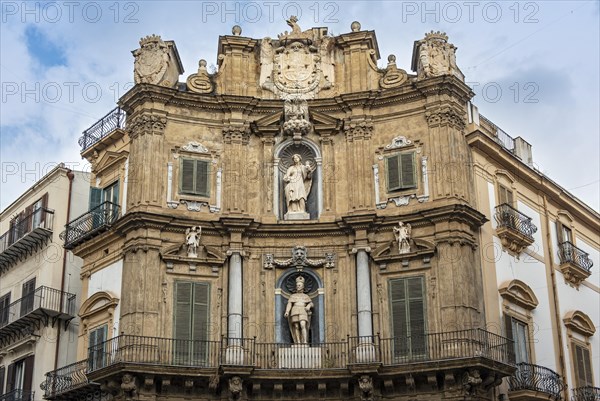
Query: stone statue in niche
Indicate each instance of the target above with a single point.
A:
(298, 179)
(192, 241)
(298, 312)
(402, 234)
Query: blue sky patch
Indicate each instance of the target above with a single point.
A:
(47, 53)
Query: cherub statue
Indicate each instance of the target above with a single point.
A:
(192, 241)
(402, 234)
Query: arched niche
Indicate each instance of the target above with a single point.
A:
(285, 287)
(308, 151)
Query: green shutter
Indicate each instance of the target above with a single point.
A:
(191, 322)
(408, 316)
(407, 168)
(393, 173)
(202, 174)
(187, 176)
(95, 197)
(183, 310)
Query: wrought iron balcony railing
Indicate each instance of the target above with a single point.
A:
(65, 379)
(586, 393)
(115, 119)
(17, 395)
(509, 217)
(23, 236)
(35, 308)
(464, 344)
(537, 378)
(569, 253)
(89, 224)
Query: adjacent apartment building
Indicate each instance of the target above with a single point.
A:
(39, 283)
(304, 225)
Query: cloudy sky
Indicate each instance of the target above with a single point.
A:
(534, 66)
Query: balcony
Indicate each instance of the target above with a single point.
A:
(90, 224)
(533, 382)
(514, 229)
(41, 307)
(114, 120)
(17, 395)
(413, 363)
(25, 237)
(71, 379)
(587, 393)
(575, 264)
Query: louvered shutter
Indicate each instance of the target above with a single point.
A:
(407, 168)
(583, 366)
(2, 370)
(10, 378)
(505, 195)
(200, 321)
(408, 316)
(4, 302)
(187, 176)
(183, 322)
(202, 174)
(509, 334)
(28, 375)
(44, 207)
(393, 173)
(28, 297)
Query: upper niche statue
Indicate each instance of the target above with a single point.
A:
(298, 179)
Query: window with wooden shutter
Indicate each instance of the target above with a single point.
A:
(191, 319)
(583, 366)
(194, 177)
(97, 346)
(505, 195)
(518, 332)
(408, 317)
(401, 171)
(4, 302)
(27, 384)
(28, 297)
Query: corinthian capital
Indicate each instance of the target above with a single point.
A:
(446, 116)
(146, 124)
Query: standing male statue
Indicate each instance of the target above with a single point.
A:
(298, 313)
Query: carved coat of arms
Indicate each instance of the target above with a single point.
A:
(151, 60)
(296, 68)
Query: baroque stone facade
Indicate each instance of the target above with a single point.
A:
(339, 255)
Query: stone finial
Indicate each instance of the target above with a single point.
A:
(392, 77)
(200, 82)
(392, 59)
(355, 26)
(236, 30)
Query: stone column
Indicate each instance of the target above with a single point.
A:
(363, 293)
(365, 350)
(235, 353)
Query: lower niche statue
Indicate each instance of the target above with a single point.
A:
(298, 179)
(298, 312)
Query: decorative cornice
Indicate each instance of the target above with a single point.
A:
(579, 322)
(519, 294)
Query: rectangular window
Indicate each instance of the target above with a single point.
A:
(191, 322)
(194, 177)
(4, 311)
(401, 171)
(408, 317)
(20, 376)
(564, 233)
(518, 331)
(505, 195)
(97, 347)
(583, 366)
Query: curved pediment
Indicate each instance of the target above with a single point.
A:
(98, 302)
(519, 293)
(580, 323)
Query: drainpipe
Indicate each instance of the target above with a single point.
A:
(561, 356)
(70, 175)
